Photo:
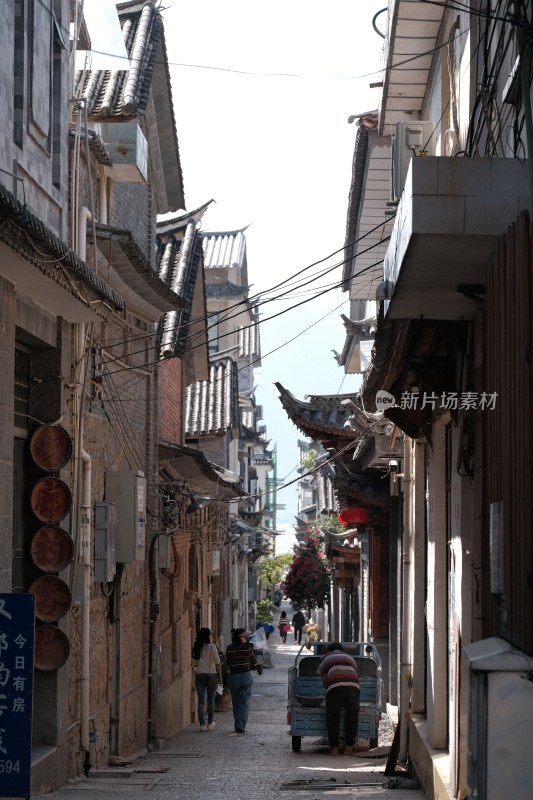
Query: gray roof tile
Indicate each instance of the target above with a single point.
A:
(179, 265)
(224, 250)
(212, 407)
(249, 344)
(124, 93)
(12, 212)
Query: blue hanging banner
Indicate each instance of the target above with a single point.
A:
(17, 629)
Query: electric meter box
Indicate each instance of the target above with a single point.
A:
(127, 490)
(105, 524)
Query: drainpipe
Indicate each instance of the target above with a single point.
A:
(84, 216)
(114, 748)
(236, 593)
(405, 675)
(103, 196)
(85, 541)
(153, 555)
(83, 475)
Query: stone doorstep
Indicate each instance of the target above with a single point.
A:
(432, 766)
(392, 713)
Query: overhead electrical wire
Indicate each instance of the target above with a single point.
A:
(246, 366)
(254, 300)
(267, 319)
(135, 381)
(337, 285)
(320, 466)
(263, 355)
(456, 5)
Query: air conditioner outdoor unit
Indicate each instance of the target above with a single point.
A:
(128, 149)
(411, 139)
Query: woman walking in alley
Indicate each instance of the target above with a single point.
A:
(241, 661)
(283, 626)
(208, 674)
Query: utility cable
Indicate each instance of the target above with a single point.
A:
(266, 319)
(246, 302)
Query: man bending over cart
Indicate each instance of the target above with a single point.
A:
(339, 676)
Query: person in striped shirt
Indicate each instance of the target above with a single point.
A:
(339, 675)
(241, 660)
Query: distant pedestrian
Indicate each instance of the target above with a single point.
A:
(339, 675)
(298, 622)
(241, 661)
(208, 674)
(283, 626)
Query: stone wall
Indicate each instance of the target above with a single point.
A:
(34, 106)
(7, 365)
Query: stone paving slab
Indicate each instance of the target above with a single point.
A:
(257, 765)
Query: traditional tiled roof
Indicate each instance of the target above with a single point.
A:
(203, 475)
(325, 491)
(367, 225)
(212, 407)
(263, 460)
(324, 414)
(179, 260)
(247, 417)
(119, 95)
(359, 167)
(226, 250)
(358, 343)
(19, 228)
(97, 147)
(140, 282)
(249, 344)
(224, 289)
(124, 93)
(366, 489)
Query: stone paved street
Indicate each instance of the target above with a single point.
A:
(258, 764)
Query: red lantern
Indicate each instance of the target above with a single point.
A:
(353, 515)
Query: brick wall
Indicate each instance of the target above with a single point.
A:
(130, 209)
(171, 400)
(120, 434)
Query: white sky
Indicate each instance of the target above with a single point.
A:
(107, 40)
(275, 153)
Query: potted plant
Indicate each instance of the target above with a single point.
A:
(222, 701)
(311, 635)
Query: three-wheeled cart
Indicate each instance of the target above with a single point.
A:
(306, 708)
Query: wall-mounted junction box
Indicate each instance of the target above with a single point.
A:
(105, 523)
(127, 490)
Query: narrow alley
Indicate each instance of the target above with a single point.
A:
(258, 764)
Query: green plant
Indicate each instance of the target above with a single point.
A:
(272, 570)
(309, 460)
(264, 611)
(308, 580)
(330, 524)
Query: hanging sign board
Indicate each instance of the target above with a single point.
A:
(17, 625)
